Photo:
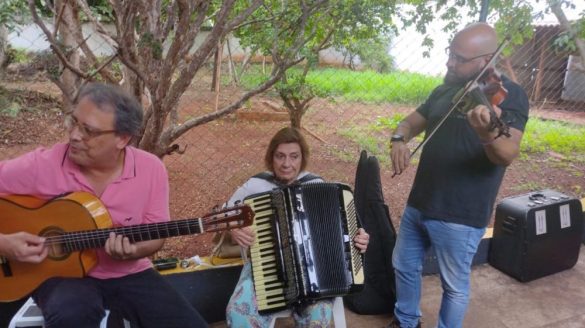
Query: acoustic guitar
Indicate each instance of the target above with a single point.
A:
(75, 225)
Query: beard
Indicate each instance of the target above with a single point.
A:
(453, 79)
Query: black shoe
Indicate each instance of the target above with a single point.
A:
(394, 323)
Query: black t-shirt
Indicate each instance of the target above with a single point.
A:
(455, 180)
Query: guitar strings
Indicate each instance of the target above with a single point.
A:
(172, 228)
(144, 228)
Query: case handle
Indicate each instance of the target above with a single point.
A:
(537, 196)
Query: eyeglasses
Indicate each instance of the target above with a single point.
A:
(86, 132)
(460, 59)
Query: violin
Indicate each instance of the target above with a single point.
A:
(492, 86)
(489, 91)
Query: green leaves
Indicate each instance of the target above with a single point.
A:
(13, 13)
(155, 46)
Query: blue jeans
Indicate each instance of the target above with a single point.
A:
(454, 244)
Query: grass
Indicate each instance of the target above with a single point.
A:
(530, 185)
(540, 136)
(566, 140)
(19, 55)
(375, 136)
(9, 103)
(372, 87)
(13, 102)
(363, 86)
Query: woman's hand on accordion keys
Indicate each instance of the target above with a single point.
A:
(243, 236)
(361, 240)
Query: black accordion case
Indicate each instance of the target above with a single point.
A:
(379, 293)
(536, 234)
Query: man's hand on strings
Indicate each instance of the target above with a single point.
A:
(120, 247)
(23, 247)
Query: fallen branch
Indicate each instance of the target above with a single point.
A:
(315, 135)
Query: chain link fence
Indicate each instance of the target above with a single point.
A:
(217, 157)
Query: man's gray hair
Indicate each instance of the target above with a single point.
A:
(127, 110)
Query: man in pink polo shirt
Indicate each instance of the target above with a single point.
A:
(132, 184)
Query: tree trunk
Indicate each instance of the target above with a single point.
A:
(296, 117)
(158, 57)
(67, 24)
(555, 6)
(509, 69)
(217, 66)
(3, 60)
(3, 49)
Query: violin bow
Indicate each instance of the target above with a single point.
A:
(468, 88)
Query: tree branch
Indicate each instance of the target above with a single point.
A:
(59, 17)
(125, 40)
(555, 6)
(185, 34)
(53, 42)
(98, 26)
(174, 133)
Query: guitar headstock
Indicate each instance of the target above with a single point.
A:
(237, 216)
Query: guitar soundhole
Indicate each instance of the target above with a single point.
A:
(57, 246)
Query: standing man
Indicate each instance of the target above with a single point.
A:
(457, 180)
(133, 186)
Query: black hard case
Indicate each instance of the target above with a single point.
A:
(536, 234)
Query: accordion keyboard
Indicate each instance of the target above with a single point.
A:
(266, 270)
(352, 227)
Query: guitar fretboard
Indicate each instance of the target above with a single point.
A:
(80, 240)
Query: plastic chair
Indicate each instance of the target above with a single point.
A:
(29, 315)
(338, 314)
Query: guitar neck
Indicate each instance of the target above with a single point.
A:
(76, 241)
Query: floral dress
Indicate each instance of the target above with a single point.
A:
(242, 309)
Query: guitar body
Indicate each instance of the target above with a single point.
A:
(76, 224)
(78, 211)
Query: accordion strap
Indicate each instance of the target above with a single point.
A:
(272, 179)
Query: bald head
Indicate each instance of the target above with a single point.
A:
(469, 52)
(476, 39)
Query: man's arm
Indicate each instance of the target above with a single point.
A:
(409, 128)
(500, 151)
(23, 247)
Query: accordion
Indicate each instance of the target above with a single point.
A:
(304, 245)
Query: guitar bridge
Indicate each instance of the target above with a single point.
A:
(5, 267)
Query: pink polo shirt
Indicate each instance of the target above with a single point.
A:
(139, 196)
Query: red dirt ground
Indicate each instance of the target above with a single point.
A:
(222, 154)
